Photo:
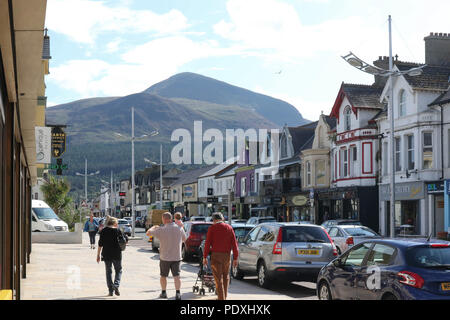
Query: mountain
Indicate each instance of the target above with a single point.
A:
(197, 87)
(171, 104)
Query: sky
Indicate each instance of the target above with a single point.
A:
(287, 49)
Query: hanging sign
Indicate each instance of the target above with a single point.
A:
(43, 144)
(58, 142)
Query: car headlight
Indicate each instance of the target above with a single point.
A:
(49, 227)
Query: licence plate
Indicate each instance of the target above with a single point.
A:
(307, 252)
(445, 286)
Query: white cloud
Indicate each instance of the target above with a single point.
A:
(84, 20)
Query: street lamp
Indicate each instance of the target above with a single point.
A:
(85, 175)
(132, 139)
(354, 61)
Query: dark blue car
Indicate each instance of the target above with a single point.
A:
(389, 269)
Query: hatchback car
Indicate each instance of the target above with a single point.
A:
(258, 220)
(125, 226)
(346, 236)
(339, 222)
(389, 269)
(284, 251)
(240, 231)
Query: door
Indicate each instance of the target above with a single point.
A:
(246, 249)
(347, 270)
(338, 238)
(375, 276)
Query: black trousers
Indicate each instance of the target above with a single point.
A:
(92, 236)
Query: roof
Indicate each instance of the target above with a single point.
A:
(218, 169)
(303, 136)
(330, 121)
(442, 99)
(190, 176)
(432, 77)
(360, 96)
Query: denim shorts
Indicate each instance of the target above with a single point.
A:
(173, 266)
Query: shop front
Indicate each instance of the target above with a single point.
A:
(410, 209)
(435, 193)
(356, 203)
(299, 208)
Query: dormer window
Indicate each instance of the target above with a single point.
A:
(402, 103)
(347, 118)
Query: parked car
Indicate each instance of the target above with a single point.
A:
(258, 220)
(339, 222)
(44, 219)
(125, 226)
(240, 231)
(195, 232)
(346, 236)
(389, 269)
(284, 251)
(239, 221)
(197, 218)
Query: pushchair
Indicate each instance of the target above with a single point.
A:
(206, 278)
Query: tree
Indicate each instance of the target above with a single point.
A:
(55, 194)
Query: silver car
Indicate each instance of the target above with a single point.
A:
(284, 251)
(346, 236)
(125, 226)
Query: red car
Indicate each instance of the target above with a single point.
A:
(195, 232)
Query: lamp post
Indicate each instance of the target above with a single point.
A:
(132, 139)
(85, 179)
(391, 73)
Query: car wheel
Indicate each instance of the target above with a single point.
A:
(263, 280)
(389, 296)
(237, 273)
(324, 291)
(339, 251)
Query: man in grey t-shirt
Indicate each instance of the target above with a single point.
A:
(171, 236)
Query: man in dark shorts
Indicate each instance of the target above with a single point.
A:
(171, 236)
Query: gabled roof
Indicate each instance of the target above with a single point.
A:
(190, 176)
(302, 136)
(218, 169)
(360, 96)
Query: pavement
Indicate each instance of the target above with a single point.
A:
(70, 272)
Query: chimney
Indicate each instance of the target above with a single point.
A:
(383, 63)
(437, 49)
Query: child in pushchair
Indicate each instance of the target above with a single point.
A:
(205, 276)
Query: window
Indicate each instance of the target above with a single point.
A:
(385, 156)
(266, 235)
(381, 255)
(308, 173)
(333, 232)
(355, 257)
(402, 104)
(410, 151)
(344, 162)
(427, 150)
(252, 235)
(243, 186)
(353, 161)
(398, 156)
(347, 118)
(320, 172)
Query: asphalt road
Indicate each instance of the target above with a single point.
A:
(295, 290)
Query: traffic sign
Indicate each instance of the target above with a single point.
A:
(58, 142)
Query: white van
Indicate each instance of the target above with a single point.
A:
(43, 218)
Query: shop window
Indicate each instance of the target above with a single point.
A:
(407, 217)
(427, 150)
(308, 173)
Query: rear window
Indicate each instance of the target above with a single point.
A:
(200, 228)
(304, 234)
(428, 257)
(360, 232)
(349, 222)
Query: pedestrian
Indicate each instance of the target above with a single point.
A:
(171, 236)
(111, 254)
(220, 241)
(178, 218)
(91, 226)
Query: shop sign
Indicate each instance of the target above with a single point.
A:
(212, 199)
(403, 191)
(43, 144)
(188, 191)
(299, 200)
(435, 187)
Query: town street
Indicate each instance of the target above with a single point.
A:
(69, 271)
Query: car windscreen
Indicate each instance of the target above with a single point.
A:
(200, 228)
(361, 232)
(429, 257)
(45, 213)
(304, 234)
(349, 222)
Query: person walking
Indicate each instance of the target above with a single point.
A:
(220, 241)
(111, 254)
(171, 236)
(91, 226)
